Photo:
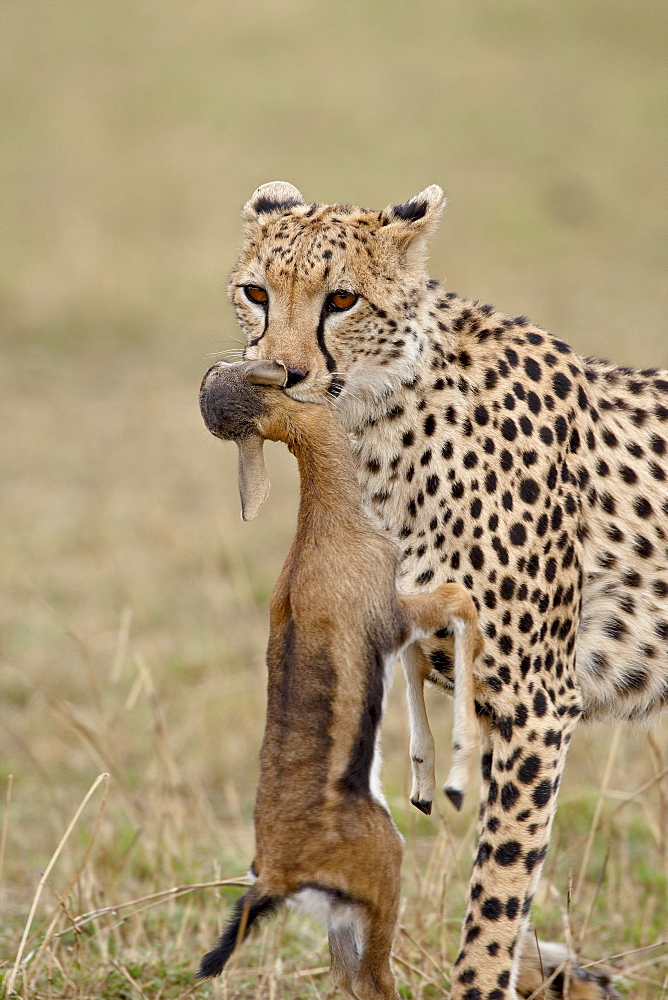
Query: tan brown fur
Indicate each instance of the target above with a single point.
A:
(323, 832)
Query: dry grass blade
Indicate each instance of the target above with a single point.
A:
(122, 645)
(143, 903)
(657, 779)
(423, 951)
(319, 970)
(160, 725)
(62, 896)
(427, 980)
(625, 954)
(132, 981)
(102, 779)
(597, 812)
(592, 902)
(88, 735)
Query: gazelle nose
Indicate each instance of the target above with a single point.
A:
(295, 375)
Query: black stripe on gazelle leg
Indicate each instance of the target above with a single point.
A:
(356, 779)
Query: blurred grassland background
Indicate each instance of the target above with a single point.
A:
(133, 601)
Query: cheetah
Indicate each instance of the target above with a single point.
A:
(501, 460)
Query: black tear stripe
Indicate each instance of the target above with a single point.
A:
(320, 335)
(252, 343)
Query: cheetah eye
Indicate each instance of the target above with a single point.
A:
(256, 294)
(340, 300)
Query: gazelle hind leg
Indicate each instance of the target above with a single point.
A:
(344, 954)
(373, 979)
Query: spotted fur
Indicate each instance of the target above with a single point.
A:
(502, 460)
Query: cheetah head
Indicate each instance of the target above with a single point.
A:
(334, 292)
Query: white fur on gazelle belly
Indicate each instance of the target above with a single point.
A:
(323, 906)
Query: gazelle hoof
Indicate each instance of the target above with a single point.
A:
(455, 796)
(424, 805)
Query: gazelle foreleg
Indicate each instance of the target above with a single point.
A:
(465, 733)
(416, 668)
(449, 606)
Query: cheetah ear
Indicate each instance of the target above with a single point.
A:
(277, 196)
(410, 224)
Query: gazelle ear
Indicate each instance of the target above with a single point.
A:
(266, 371)
(410, 224)
(275, 197)
(253, 478)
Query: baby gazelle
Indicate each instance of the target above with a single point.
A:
(324, 837)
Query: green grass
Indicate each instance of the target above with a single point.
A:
(133, 601)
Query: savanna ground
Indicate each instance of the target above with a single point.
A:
(134, 602)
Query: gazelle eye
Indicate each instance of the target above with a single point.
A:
(256, 294)
(340, 300)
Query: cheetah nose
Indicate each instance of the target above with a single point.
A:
(295, 375)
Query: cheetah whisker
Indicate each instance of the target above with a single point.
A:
(232, 353)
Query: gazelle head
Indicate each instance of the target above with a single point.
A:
(233, 400)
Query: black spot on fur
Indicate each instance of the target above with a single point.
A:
(529, 769)
(491, 909)
(508, 853)
(509, 795)
(541, 794)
